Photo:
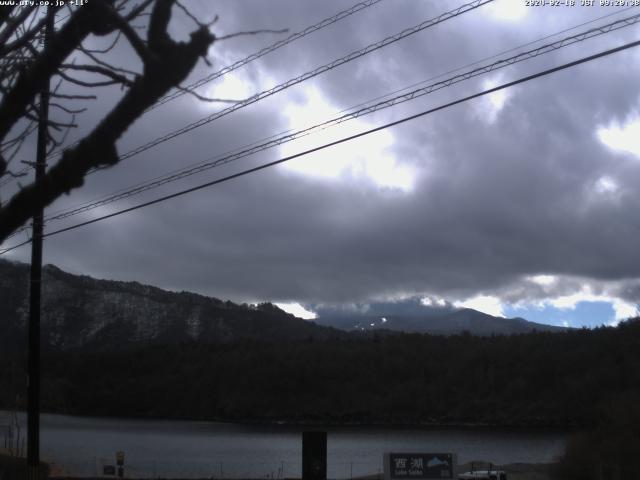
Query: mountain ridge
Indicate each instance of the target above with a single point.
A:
(81, 312)
(124, 314)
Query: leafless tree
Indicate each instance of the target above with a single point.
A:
(65, 60)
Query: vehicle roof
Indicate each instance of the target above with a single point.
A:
(479, 473)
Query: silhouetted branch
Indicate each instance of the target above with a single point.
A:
(166, 64)
(24, 38)
(108, 48)
(115, 77)
(11, 25)
(195, 19)
(204, 98)
(251, 32)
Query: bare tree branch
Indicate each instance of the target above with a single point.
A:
(12, 24)
(193, 18)
(97, 60)
(29, 81)
(107, 49)
(19, 174)
(166, 64)
(83, 83)
(250, 32)
(126, 29)
(137, 11)
(67, 109)
(115, 77)
(5, 13)
(57, 143)
(25, 38)
(74, 97)
(203, 98)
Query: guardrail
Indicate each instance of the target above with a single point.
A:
(184, 468)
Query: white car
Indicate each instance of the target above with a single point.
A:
(483, 475)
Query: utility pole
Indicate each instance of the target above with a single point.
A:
(33, 369)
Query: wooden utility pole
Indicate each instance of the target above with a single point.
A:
(33, 369)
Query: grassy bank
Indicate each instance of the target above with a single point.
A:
(515, 471)
(16, 468)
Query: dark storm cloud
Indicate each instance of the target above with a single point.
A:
(493, 202)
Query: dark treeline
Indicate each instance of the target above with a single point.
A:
(558, 379)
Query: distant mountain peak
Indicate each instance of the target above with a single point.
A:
(416, 316)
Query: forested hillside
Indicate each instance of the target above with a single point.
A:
(532, 379)
(80, 312)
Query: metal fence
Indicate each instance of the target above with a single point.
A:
(219, 470)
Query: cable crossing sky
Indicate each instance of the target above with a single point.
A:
(254, 56)
(260, 53)
(306, 76)
(294, 81)
(337, 142)
(277, 140)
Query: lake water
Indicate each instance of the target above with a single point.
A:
(81, 446)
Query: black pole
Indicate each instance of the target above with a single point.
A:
(33, 369)
(314, 455)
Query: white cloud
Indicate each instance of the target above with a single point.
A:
(297, 310)
(483, 303)
(489, 107)
(625, 137)
(543, 279)
(433, 302)
(363, 158)
(606, 185)
(622, 308)
(508, 10)
(231, 86)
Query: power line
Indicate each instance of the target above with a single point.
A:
(306, 76)
(496, 55)
(25, 170)
(256, 55)
(260, 53)
(337, 142)
(205, 162)
(294, 81)
(276, 141)
(290, 136)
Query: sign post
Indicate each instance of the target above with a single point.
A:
(419, 466)
(108, 470)
(120, 463)
(314, 455)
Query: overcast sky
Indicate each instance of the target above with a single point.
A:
(521, 203)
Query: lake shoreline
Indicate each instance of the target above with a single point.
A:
(331, 423)
(515, 471)
(79, 447)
